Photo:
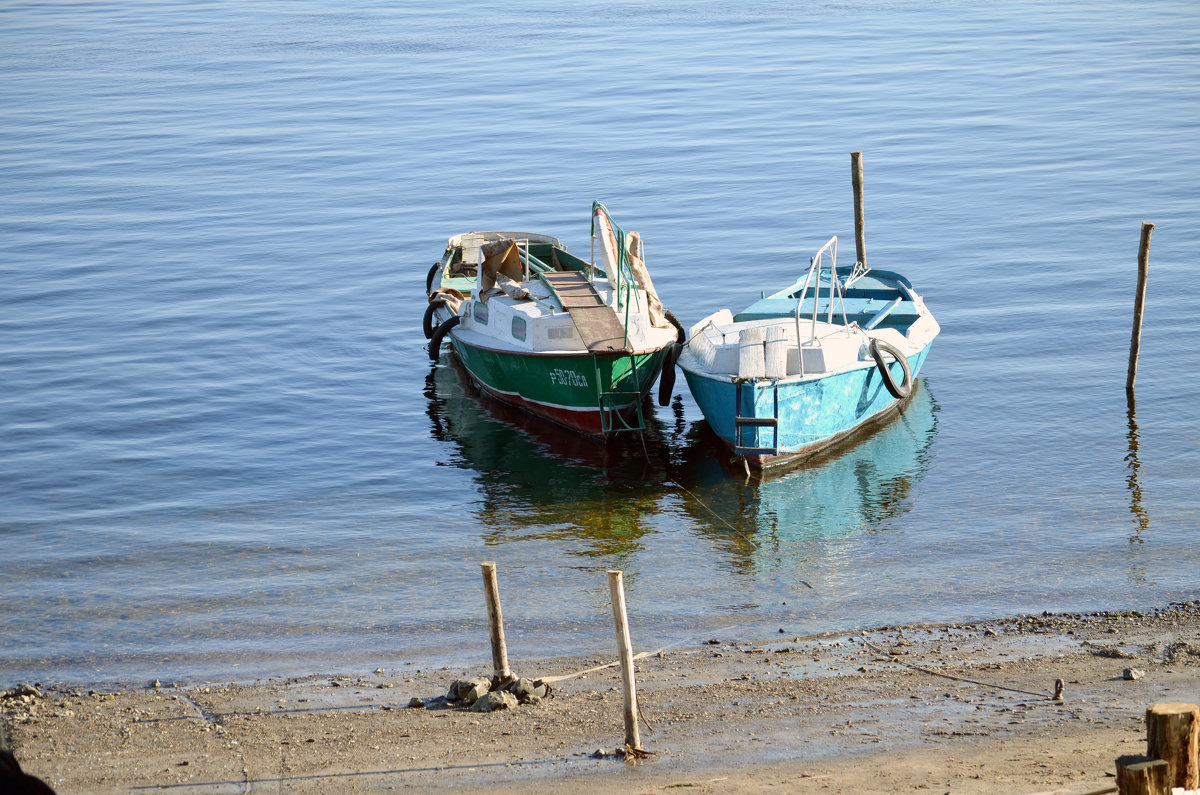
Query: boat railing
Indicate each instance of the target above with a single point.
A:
(836, 293)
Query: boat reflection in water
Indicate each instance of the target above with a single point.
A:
(864, 480)
(537, 481)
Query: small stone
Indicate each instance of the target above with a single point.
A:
(521, 688)
(1132, 674)
(416, 703)
(468, 691)
(379, 671)
(490, 702)
(527, 690)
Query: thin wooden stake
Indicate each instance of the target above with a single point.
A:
(1173, 734)
(495, 621)
(856, 178)
(1139, 302)
(616, 588)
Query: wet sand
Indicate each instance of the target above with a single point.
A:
(961, 709)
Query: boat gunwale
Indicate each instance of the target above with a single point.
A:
(457, 335)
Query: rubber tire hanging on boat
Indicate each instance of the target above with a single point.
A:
(429, 278)
(878, 347)
(435, 342)
(666, 378)
(679, 333)
(427, 324)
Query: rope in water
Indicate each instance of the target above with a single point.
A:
(714, 513)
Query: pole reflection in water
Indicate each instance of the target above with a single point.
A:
(1141, 517)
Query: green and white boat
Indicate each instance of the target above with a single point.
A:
(578, 342)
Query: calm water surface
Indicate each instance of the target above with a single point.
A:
(226, 454)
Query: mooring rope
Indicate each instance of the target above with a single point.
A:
(736, 531)
(640, 655)
(930, 671)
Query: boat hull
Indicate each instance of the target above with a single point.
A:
(812, 413)
(593, 394)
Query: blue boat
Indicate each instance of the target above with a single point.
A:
(801, 369)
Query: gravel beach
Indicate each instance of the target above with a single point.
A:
(967, 708)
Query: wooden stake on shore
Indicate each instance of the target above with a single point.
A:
(1139, 301)
(1141, 775)
(856, 179)
(616, 588)
(495, 621)
(1173, 734)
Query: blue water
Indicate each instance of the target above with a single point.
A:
(225, 454)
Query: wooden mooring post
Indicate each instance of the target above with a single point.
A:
(1139, 302)
(616, 587)
(1142, 775)
(1172, 740)
(495, 621)
(1173, 734)
(856, 179)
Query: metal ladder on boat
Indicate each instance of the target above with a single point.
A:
(611, 418)
(740, 423)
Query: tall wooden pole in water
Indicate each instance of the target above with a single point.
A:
(495, 621)
(616, 587)
(856, 178)
(1139, 301)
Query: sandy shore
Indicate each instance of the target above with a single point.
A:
(961, 709)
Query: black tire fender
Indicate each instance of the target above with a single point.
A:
(429, 278)
(427, 324)
(878, 347)
(435, 342)
(679, 332)
(666, 378)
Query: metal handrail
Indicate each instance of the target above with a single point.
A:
(814, 276)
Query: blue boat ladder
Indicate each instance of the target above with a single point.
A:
(740, 423)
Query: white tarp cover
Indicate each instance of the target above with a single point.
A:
(637, 264)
